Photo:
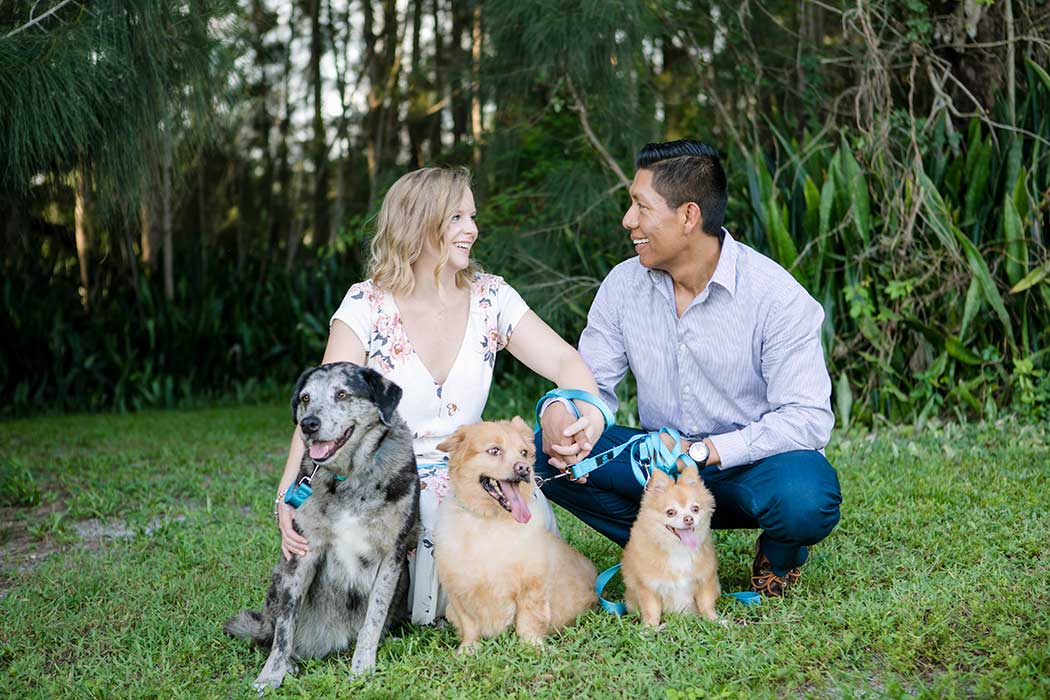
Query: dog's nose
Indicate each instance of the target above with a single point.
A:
(688, 520)
(310, 425)
(522, 469)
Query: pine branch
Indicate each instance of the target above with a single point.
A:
(581, 110)
(37, 20)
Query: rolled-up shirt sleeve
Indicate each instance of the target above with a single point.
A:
(602, 344)
(797, 385)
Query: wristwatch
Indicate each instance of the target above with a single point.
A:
(699, 453)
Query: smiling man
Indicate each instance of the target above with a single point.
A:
(725, 347)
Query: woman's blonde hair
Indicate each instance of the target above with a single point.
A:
(416, 209)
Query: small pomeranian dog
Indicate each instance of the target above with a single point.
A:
(498, 561)
(669, 563)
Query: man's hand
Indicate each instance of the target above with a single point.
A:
(292, 543)
(567, 439)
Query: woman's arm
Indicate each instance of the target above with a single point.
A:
(343, 346)
(543, 351)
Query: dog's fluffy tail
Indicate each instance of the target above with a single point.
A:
(250, 625)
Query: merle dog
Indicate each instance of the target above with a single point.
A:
(360, 520)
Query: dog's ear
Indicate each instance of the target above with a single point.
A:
(519, 424)
(298, 390)
(384, 393)
(659, 481)
(452, 442)
(689, 476)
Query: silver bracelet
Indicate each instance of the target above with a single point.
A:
(276, 505)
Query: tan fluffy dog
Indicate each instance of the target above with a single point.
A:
(669, 563)
(499, 564)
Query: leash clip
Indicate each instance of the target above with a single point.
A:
(297, 496)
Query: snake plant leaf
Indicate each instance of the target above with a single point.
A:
(1033, 278)
(1016, 246)
(972, 306)
(812, 218)
(844, 399)
(956, 349)
(858, 191)
(827, 201)
(1043, 75)
(979, 165)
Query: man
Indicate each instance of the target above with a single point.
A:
(725, 347)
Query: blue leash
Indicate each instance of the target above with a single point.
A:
(745, 597)
(648, 451)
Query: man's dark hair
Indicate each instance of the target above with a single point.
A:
(688, 171)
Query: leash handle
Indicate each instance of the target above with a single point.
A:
(576, 395)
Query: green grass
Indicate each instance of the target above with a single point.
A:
(934, 585)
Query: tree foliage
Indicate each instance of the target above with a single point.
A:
(892, 154)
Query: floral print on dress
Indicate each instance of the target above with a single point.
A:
(388, 344)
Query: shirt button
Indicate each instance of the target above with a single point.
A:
(681, 348)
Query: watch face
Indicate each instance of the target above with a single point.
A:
(699, 452)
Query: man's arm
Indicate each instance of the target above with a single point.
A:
(797, 386)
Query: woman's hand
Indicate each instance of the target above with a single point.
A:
(567, 440)
(292, 543)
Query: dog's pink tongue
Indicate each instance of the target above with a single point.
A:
(688, 537)
(319, 450)
(518, 510)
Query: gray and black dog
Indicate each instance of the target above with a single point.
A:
(360, 520)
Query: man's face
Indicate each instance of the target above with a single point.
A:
(656, 229)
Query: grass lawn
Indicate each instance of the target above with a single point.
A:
(151, 529)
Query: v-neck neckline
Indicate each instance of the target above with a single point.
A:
(462, 342)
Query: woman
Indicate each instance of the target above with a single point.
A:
(432, 322)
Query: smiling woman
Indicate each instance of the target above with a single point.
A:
(431, 321)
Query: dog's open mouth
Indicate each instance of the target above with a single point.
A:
(687, 535)
(508, 495)
(321, 450)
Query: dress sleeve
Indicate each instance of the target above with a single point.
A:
(356, 312)
(511, 307)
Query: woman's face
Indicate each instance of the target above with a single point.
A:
(460, 232)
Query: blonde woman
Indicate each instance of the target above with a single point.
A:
(431, 321)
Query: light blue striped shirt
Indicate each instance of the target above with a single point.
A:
(743, 366)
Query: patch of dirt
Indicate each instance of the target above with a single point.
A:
(20, 551)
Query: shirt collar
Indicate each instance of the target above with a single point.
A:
(725, 270)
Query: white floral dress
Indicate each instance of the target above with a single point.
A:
(433, 411)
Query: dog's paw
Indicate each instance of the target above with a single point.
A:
(467, 648)
(534, 642)
(267, 681)
(362, 663)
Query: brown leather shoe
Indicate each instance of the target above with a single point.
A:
(764, 581)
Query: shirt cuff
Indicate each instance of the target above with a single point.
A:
(733, 449)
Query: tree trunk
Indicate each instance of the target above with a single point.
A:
(371, 60)
(416, 121)
(281, 221)
(83, 231)
(475, 87)
(458, 59)
(440, 90)
(319, 147)
(166, 168)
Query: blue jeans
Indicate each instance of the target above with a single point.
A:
(792, 497)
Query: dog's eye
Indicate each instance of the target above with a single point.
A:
(495, 451)
(695, 509)
(671, 512)
(304, 399)
(341, 396)
(525, 453)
